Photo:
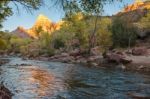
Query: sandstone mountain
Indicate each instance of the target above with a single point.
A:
(42, 24)
(139, 4)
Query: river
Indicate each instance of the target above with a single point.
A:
(32, 79)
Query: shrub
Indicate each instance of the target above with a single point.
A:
(16, 43)
(145, 21)
(3, 44)
(23, 50)
(58, 43)
(103, 36)
(123, 33)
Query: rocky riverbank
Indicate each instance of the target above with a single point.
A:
(136, 59)
(3, 61)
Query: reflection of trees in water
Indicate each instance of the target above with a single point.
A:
(72, 78)
(44, 81)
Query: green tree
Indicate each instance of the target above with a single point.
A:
(6, 10)
(17, 42)
(123, 33)
(145, 21)
(89, 7)
(73, 33)
(104, 34)
(3, 44)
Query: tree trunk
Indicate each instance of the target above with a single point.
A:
(92, 37)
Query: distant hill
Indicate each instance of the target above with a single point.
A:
(20, 32)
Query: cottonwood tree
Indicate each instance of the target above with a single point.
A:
(6, 10)
(89, 7)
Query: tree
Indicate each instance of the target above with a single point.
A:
(123, 33)
(104, 34)
(3, 44)
(89, 7)
(6, 10)
(145, 21)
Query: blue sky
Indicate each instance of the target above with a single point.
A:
(27, 19)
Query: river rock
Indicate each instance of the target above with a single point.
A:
(139, 96)
(139, 51)
(75, 53)
(117, 57)
(94, 58)
(95, 51)
(5, 93)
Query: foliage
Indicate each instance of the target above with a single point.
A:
(145, 21)
(123, 33)
(6, 10)
(72, 34)
(5, 37)
(87, 6)
(23, 50)
(103, 36)
(17, 42)
(3, 44)
(45, 44)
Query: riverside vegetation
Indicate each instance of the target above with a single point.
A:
(71, 43)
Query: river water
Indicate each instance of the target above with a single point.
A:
(30, 79)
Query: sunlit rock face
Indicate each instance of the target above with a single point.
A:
(21, 32)
(43, 24)
(139, 4)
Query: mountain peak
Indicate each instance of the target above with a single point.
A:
(44, 24)
(42, 17)
(20, 32)
(137, 1)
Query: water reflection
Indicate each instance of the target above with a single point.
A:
(41, 79)
(47, 80)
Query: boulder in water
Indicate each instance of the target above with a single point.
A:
(5, 93)
(117, 57)
(139, 51)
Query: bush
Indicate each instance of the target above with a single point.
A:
(145, 21)
(123, 33)
(73, 29)
(104, 35)
(23, 50)
(58, 43)
(16, 43)
(3, 44)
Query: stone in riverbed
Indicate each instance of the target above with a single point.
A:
(4, 92)
(139, 96)
(117, 57)
(139, 51)
(75, 53)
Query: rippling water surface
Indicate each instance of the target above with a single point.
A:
(52, 80)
